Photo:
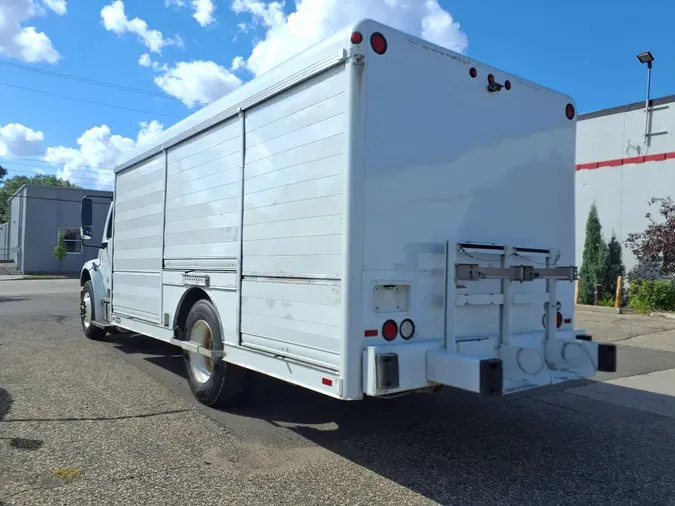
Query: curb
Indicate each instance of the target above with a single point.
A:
(660, 314)
(599, 309)
(21, 277)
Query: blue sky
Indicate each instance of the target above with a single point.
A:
(584, 48)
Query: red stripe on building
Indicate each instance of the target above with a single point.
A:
(625, 161)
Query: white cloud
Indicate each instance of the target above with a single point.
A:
(91, 164)
(58, 6)
(146, 61)
(196, 82)
(204, 9)
(24, 42)
(18, 140)
(313, 20)
(115, 20)
(148, 131)
(238, 62)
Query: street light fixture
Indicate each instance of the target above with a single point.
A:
(647, 57)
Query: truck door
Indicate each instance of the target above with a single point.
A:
(107, 249)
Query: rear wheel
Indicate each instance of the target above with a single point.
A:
(213, 381)
(88, 313)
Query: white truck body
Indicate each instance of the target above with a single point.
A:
(346, 188)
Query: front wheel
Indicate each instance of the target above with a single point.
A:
(88, 313)
(213, 382)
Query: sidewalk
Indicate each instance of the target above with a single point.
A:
(653, 392)
(16, 277)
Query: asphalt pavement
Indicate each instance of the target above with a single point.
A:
(83, 422)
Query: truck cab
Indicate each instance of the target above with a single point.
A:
(96, 274)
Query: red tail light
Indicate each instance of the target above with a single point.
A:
(389, 330)
(357, 38)
(378, 43)
(558, 319)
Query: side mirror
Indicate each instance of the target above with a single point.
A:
(86, 214)
(85, 233)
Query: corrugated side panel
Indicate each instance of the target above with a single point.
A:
(138, 240)
(293, 212)
(202, 195)
(295, 319)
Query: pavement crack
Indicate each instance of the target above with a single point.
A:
(556, 405)
(96, 418)
(642, 335)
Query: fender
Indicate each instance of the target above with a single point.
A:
(92, 270)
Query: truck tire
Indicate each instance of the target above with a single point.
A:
(88, 313)
(213, 382)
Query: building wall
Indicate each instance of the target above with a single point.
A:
(47, 209)
(14, 224)
(3, 241)
(620, 172)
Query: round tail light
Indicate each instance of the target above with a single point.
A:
(558, 319)
(569, 111)
(378, 43)
(473, 72)
(407, 329)
(389, 330)
(357, 38)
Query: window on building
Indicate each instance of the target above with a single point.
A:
(71, 238)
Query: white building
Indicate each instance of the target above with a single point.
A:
(621, 168)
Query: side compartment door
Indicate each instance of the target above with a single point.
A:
(137, 240)
(293, 221)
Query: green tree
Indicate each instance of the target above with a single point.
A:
(11, 185)
(3, 173)
(60, 251)
(593, 266)
(613, 266)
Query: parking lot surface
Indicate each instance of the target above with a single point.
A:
(83, 422)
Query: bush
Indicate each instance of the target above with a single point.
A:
(652, 295)
(655, 247)
(641, 271)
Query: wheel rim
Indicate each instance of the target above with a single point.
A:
(201, 365)
(85, 310)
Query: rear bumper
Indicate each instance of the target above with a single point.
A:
(529, 361)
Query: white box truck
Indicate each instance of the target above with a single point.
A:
(377, 215)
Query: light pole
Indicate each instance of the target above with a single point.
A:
(648, 58)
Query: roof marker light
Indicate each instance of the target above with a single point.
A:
(473, 72)
(569, 111)
(378, 43)
(357, 38)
